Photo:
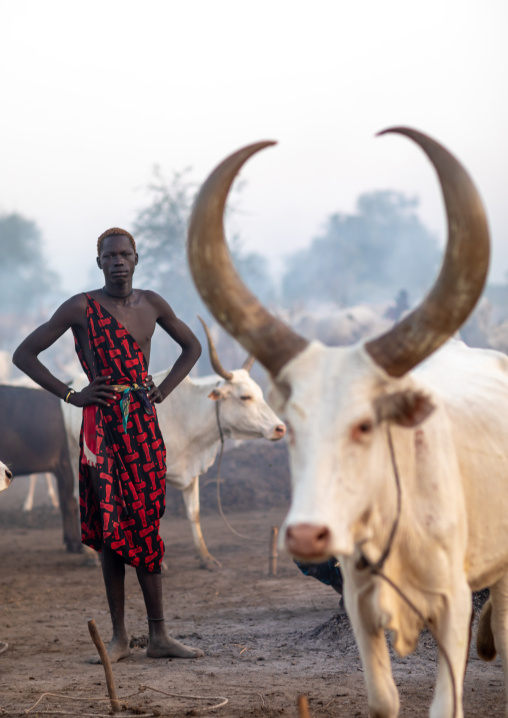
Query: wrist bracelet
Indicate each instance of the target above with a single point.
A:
(71, 391)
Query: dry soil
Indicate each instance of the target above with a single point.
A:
(266, 639)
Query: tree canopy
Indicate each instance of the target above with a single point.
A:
(366, 256)
(24, 275)
(161, 233)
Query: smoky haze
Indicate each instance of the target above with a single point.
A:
(360, 273)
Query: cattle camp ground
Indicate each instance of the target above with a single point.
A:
(266, 639)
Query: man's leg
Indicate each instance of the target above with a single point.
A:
(113, 571)
(160, 644)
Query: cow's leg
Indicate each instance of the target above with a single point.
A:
(383, 697)
(28, 503)
(68, 506)
(499, 625)
(453, 629)
(51, 491)
(90, 557)
(191, 501)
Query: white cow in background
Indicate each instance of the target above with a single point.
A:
(341, 327)
(189, 419)
(5, 480)
(399, 459)
(5, 365)
(5, 476)
(5, 368)
(28, 503)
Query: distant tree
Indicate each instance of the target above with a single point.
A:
(161, 230)
(367, 256)
(24, 275)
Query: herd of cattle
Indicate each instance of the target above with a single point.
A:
(40, 433)
(398, 444)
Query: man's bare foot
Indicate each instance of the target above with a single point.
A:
(116, 651)
(171, 648)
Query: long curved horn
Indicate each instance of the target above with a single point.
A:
(271, 341)
(462, 276)
(214, 357)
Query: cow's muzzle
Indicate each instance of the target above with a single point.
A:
(308, 542)
(278, 433)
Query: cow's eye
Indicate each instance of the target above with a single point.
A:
(246, 397)
(362, 430)
(365, 427)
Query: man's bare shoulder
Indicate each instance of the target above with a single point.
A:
(73, 309)
(156, 301)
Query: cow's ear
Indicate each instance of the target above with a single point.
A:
(215, 394)
(405, 408)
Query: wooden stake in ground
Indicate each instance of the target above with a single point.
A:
(116, 706)
(272, 561)
(303, 707)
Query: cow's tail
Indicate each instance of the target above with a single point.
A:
(485, 646)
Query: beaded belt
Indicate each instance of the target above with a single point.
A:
(126, 391)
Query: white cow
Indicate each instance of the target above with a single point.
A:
(399, 459)
(341, 327)
(5, 480)
(189, 419)
(28, 503)
(5, 476)
(5, 365)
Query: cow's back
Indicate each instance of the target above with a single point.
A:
(32, 435)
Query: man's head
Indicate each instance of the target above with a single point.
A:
(114, 232)
(116, 255)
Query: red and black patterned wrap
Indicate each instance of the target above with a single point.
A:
(131, 464)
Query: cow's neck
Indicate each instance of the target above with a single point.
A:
(208, 427)
(196, 412)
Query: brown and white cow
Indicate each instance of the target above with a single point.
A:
(5, 476)
(398, 445)
(191, 419)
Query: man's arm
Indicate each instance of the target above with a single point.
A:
(182, 335)
(70, 313)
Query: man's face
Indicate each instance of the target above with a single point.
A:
(117, 259)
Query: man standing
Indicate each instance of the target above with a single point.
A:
(122, 459)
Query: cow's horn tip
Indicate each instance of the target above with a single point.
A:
(265, 143)
(388, 130)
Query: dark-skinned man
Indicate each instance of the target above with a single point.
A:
(122, 459)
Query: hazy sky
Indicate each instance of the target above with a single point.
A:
(94, 94)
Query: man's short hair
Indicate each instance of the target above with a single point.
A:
(114, 232)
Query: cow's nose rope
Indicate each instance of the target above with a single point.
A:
(380, 562)
(219, 502)
(375, 569)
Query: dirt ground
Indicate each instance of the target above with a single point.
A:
(266, 639)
